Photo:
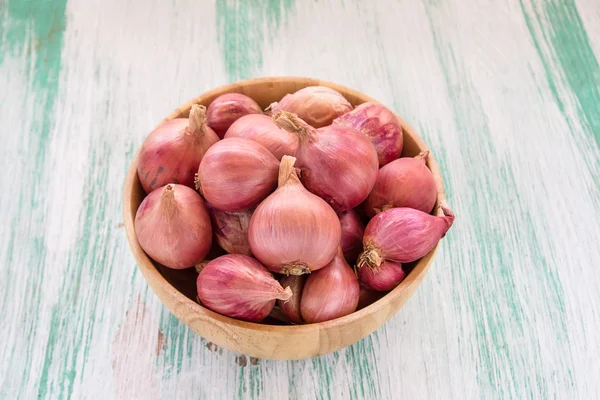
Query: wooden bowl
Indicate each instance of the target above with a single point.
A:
(177, 288)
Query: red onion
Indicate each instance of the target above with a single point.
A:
(291, 307)
(382, 278)
(262, 129)
(238, 286)
(172, 152)
(236, 174)
(227, 108)
(352, 234)
(406, 182)
(173, 227)
(293, 231)
(367, 297)
(338, 164)
(402, 235)
(231, 229)
(380, 125)
(331, 292)
(317, 105)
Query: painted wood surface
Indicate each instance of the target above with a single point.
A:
(506, 93)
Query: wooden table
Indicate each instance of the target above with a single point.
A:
(506, 93)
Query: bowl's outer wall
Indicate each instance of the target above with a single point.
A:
(271, 341)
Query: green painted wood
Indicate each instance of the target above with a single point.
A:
(506, 93)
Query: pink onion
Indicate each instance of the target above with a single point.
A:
(227, 108)
(236, 174)
(367, 297)
(293, 231)
(262, 129)
(382, 278)
(238, 286)
(172, 152)
(338, 163)
(406, 182)
(402, 235)
(231, 229)
(331, 292)
(352, 234)
(291, 307)
(380, 125)
(317, 105)
(173, 227)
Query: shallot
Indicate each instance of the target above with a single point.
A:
(231, 229)
(384, 277)
(402, 235)
(227, 108)
(262, 129)
(236, 174)
(367, 297)
(173, 227)
(237, 286)
(330, 292)
(352, 234)
(291, 307)
(172, 152)
(293, 231)
(380, 125)
(317, 105)
(406, 182)
(338, 163)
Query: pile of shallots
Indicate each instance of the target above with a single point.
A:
(286, 195)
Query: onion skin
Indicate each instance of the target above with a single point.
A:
(331, 292)
(402, 235)
(262, 129)
(291, 307)
(380, 125)
(227, 108)
(172, 152)
(382, 278)
(236, 174)
(367, 297)
(352, 234)
(173, 227)
(317, 105)
(231, 229)
(292, 231)
(338, 164)
(406, 182)
(239, 287)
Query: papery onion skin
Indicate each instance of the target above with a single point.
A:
(172, 152)
(238, 286)
(331, 292)
(317, 105)
(291, 307)
(236, 174)
(403, 235)
(352, 234)
(173, 227)
(262, 129)
(380, 125)
(231, 229)
(227, 108)
(293, 231)
(406, 182)
(338, 164)
(382, 278)
(367, 297)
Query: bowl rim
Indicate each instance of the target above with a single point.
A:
(156, 280)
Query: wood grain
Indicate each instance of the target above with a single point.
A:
(504, 92)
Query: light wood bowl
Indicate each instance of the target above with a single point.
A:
(177, 289)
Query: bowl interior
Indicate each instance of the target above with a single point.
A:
(176, 283)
